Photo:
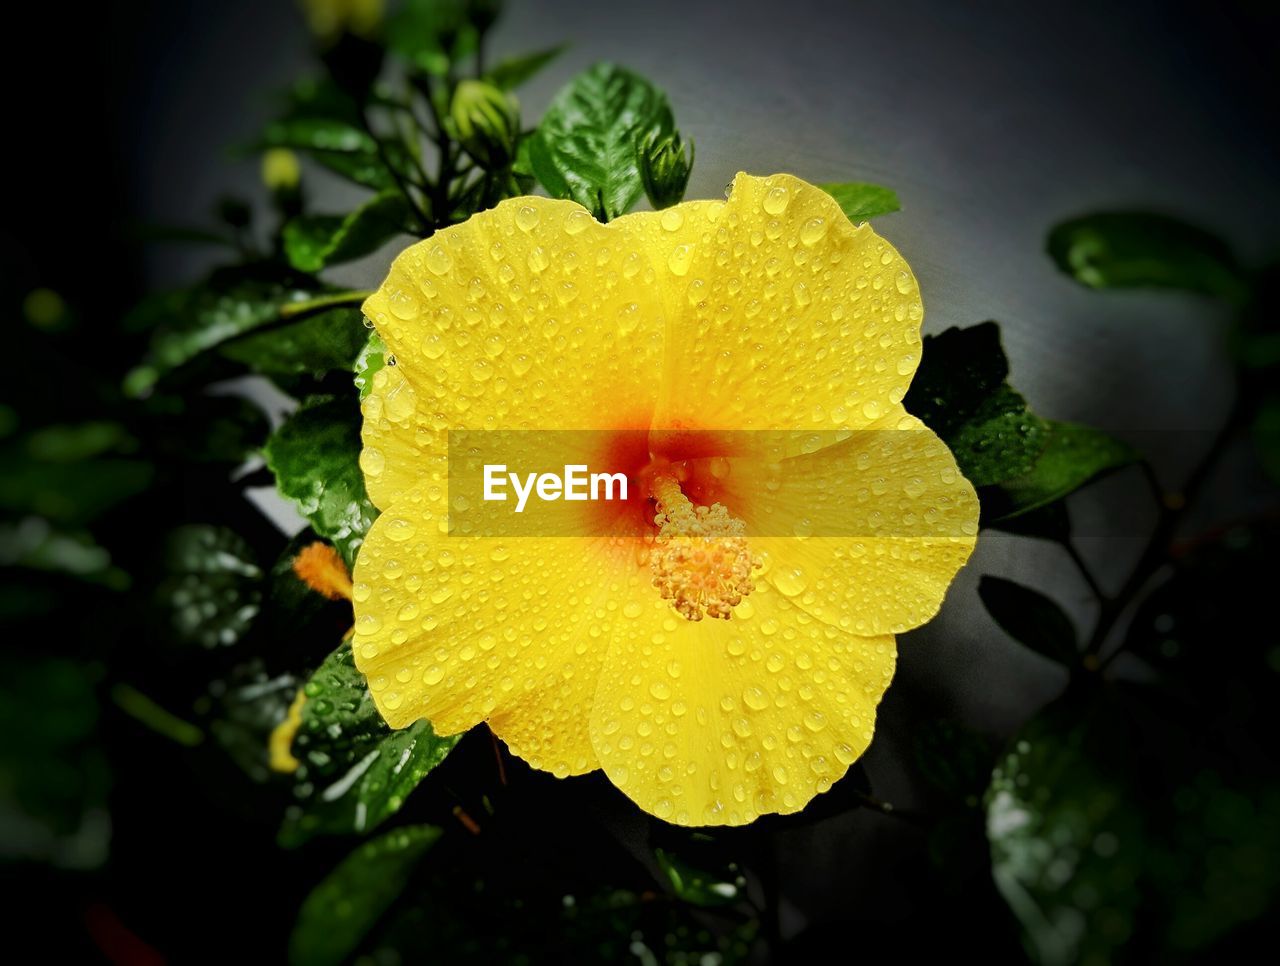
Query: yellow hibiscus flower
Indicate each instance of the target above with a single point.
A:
(719, 655)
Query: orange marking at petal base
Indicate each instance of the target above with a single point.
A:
(700, 559)
(320, 568)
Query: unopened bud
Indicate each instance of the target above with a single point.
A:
(330, 19)
(280, 170)
(486, 122)
(664, 169)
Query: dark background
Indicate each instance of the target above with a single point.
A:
(992, 121)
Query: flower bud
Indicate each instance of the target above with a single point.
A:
(486, 122)
(280, 170)
(330, 19)
(664, 170)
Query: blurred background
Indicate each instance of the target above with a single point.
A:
(992, 121)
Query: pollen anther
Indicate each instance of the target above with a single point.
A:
(700, 560)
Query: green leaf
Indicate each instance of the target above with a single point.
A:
(1000, 440)
(205, 428)
(73, 442)
(516, 70)
(53, 798)
(365, 168)
(341, 910)
(313, 242)
(372, 358)
(585, 146)
(311, 346)
(318, 98)
(448, 916)
(862, 202)
(71, 494)
(1067, 843)
(188, 322)
(959, 369)
(314, 456)
(322, 120)
(1030, 618)
(355, 771)
(34, 544)
(318, 134)
(224, 429)
(1022, 461)
(699, 886)
(959, 391)
(1132, 249)
(431, 34)
(1073, 456)
(212, 592)
(244, 709)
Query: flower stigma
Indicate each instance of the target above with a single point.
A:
(700, 561)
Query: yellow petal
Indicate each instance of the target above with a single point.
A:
(531, 315)
(782, 314)
(865, 534)
(459, 630)
(402, 444)
(718, 722)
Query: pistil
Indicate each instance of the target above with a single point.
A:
(700, 562)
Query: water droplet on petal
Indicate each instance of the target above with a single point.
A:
(813, 231)
(527, 218)
(372, 461)
(755, 698)
(628, 318)
(790, 580)
(438, 260)
(679, 259)
(775, 200)
(433, 346)
(576, 222)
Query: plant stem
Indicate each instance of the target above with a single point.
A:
(294, 310)
(446, 172)
(141, 708)
(1155, 554)
(1082, 565)
(405, 190)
